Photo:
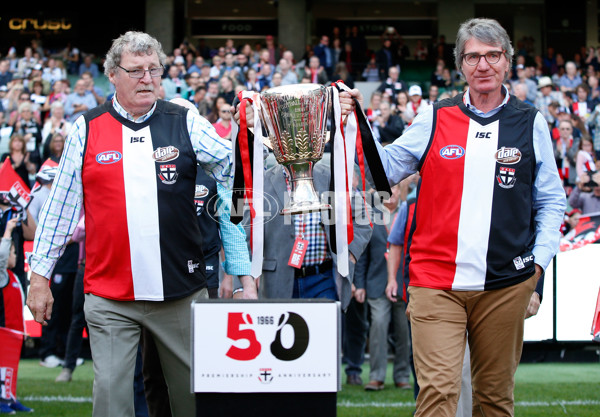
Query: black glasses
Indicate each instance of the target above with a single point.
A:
(492, 57)
(139, 73)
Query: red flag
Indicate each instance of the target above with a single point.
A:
(596, 321)
(587, 231)
(11, 184)
(11, 343)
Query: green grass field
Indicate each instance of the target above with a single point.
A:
(542, 390)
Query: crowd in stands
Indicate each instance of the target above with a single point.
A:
(43, 93)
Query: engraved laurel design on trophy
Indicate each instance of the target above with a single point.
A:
(295, 117)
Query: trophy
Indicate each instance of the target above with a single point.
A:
(295, 118)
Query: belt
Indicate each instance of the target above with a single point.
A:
(307, 271)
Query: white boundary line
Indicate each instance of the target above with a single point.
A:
(346, 404)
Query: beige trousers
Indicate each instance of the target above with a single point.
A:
(494, 322)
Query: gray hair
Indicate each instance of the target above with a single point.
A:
(137, 43)
(487, 31)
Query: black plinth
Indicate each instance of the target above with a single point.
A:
(322, 404)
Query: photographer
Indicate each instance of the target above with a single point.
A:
(586, 196)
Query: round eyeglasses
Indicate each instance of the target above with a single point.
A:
(492, 57)
(139, 73)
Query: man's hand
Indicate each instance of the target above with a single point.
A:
(391, 290)
(347, 101)
(534, 305)
(360, 294)
(249, 115)
(39, 299)
(226, 286)
(250, 291)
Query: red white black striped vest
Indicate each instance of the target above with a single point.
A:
(142, 236)
(474, 216)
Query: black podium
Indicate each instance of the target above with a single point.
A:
(266, 358)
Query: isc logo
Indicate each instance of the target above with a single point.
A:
(483, 135)
(108, 157)
(452, 152)
(135, 139)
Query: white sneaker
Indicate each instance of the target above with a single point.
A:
(64, 376)
(79, 361)
(51, 361)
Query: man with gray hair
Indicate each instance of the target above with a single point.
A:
(132, 162)
(489, 213)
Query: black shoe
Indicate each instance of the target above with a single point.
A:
(354, 379)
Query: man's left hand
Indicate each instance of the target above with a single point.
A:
(534, 305)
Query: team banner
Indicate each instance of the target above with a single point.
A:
(13, 186)
(266, 347)
(11, 343)
(587, 231)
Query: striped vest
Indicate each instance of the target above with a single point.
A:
(474, 218)
(142, 236)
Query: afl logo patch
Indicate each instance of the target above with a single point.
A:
(508, 156)
(452, 152)
(166, 154)
(108, 157)
(201, 191)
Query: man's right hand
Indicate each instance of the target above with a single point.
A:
(39, 299)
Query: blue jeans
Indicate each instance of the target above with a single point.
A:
(319, 285)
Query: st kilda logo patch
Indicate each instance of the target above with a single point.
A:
(506, 177)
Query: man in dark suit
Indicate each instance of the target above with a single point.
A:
(371, 275)
(318, 277)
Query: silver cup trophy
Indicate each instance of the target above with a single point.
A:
(295, 117)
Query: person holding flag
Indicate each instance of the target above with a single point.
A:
(12, 324)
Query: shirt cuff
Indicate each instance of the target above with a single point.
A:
(41, 266)
(236, 268)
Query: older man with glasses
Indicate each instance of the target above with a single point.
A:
(132, 163)
(489, 213)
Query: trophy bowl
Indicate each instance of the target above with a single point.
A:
(295, 118)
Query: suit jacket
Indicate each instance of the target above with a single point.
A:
(278, 277)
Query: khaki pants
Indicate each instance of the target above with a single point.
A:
(494, 321)
(115, 328)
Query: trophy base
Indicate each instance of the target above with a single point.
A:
(304, 207)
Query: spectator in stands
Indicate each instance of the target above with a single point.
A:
(586, 195)
(570, 80)
(421, 53)
(59, 93)
(520, 91)
(26, 63)
(226, 89)
(197, 65)
(274, 53)
(19, 157)
(79, 101)
(402, 106)
(265, 76)
(531, 86)
(416, 103)
(565, 152)
(55, 123)
(582, 106)
(200, 101)
(252, 83)
(315, 72)
(342, 73)
(325, 54)
(387, 126)
(386, 59)
(88, 65)
(586, 159)
(288, 75)
(31, 130)
(433, 94)
(264, 59)
(223, 123)
(372, 110)
(545, 96)
(437, 74)
(5, 74)
(174, 84)
(371, 71)
(392, 84)
(91, 86)
(348, 56)
(594, 124)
